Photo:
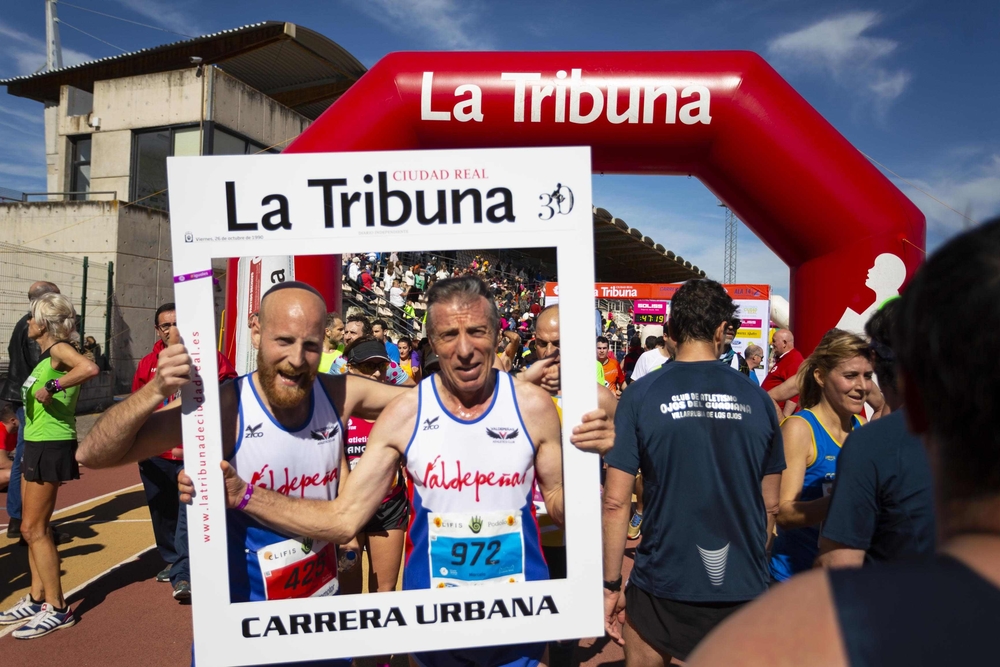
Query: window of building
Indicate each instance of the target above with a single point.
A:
(149, 164)
(227, 143)
(151, 149)
(79, 181)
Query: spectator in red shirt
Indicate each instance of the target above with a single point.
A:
(613, 374)
(159, 475)
(367, 282)
(10, 426)
(787, 365)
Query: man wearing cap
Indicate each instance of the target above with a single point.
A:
(267, 417)
(467, 417)
(729, 356)
(382, 536)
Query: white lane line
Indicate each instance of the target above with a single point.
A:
(127, 489)
(75, 521)
(68, 594)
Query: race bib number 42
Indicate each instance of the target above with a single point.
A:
(298, 569)
(474, 550)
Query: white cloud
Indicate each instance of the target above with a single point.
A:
(23, 115)
(840, 47)
(28, 52)
(444, 24)
(165, 14)
(22, 170)
(972, 188)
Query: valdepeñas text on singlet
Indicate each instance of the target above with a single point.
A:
(795, 550)
(472, 521)
(301, 462)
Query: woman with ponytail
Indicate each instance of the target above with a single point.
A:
(49, 394)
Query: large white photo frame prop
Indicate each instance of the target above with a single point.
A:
(539, 197)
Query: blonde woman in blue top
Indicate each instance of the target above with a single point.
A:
(834, 383)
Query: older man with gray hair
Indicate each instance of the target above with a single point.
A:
(754, 355)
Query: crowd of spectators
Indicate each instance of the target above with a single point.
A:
(384, 286)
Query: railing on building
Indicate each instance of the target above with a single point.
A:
(89, 285)
(86, 194)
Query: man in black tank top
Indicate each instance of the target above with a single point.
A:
(946, 610)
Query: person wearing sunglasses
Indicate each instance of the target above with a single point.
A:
(754, 358)
(159, 473)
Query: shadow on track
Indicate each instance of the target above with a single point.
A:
(143, 568)
(14, 572)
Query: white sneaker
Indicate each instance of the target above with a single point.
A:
(46, 621)
(22, 611)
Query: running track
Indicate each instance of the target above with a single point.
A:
(125, 617)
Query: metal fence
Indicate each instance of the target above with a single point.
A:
(87, 284)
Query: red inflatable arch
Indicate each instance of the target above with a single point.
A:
(726, 117)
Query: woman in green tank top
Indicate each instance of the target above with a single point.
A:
(50, 394)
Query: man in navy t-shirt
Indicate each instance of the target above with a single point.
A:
(710, 448)
(882, 506)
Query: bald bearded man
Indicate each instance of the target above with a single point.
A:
(266, 418)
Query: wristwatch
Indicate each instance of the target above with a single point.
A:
(53, 387)
(614, 586)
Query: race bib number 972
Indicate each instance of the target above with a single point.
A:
(474, 550)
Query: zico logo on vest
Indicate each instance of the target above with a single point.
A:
(253, 431)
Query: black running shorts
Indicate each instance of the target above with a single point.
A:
(672, 627)
(52, 461)
(390, 515)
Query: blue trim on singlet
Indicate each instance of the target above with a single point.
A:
(417, 567)
(312, 408)
(535, 567)
(416, 425)
(239, 408)
(795, 549)
(517, 409)
(496, 392)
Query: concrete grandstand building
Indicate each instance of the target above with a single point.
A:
(110, 125)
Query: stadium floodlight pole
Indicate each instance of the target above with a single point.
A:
(53, 47)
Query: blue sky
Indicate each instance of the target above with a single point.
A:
(915, 84)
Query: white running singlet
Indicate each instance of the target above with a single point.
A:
(303, 462)
(472, 521)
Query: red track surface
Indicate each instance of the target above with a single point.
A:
(125, 617)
